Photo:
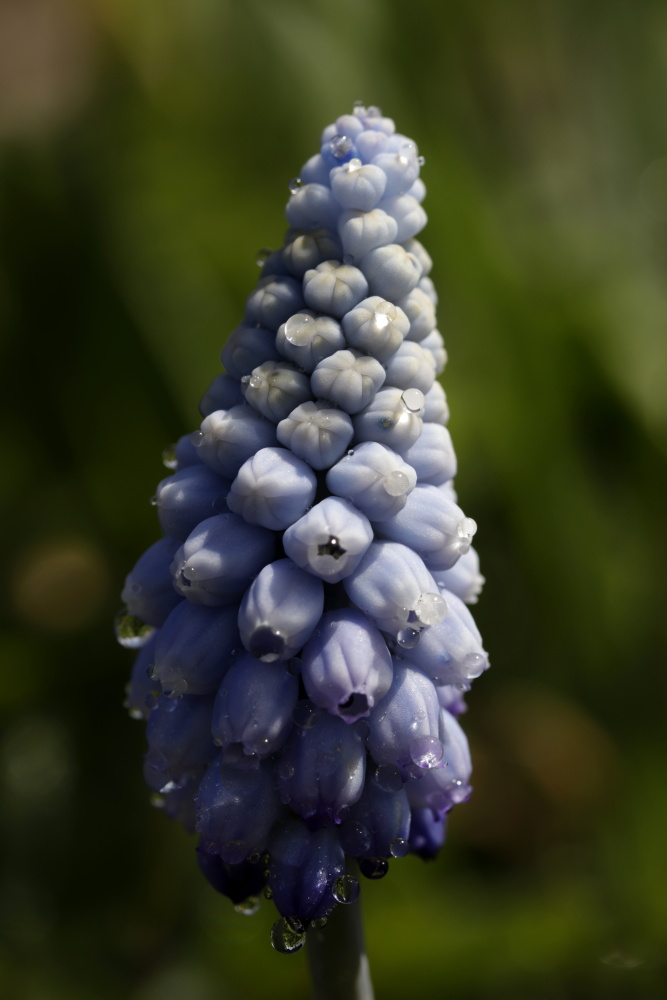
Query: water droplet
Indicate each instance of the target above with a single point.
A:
(156, 760)
(426, 751)
(373, 867)
(413, 400)
(295, 184)
(474, 664)
(285, 938)
(407, 638)
(319, 922)
(340, 146)
(299, 329)
(157, 801)
(362, 729)
(399, 848)
(248, 907)
(153, 501)
(285, 770)
(396, 484)
(255, 381)
(134, 713)
(466, 528)
(353, 165)
(268, 893)
(262, 256)
(169, 457)
(131, 632)
(388, 778)
(197, 439)
(431, 609)
(421, 160)
(254, 859)
(345, 889)
(373, 111)
(358, 107)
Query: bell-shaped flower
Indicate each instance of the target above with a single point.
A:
(322, 767)
(357, 185)
(306, 248)
(220, 557)
(432, 456)
(451, 651)
(247, 347)
(254, 706)
(273, 301)
(329, 540)
(463, 579)
(361, 232)
(236, 807)
(409, 215)
(378, 825)
(411, 366)
(427, 833)
(237, 882)
(346, 666)
(400, 168)
(305, 339)
(436, 409)
(229, 437)
(223, 393)
(188, 497)
(276, 387)
(179, 738)
(445, 785)
(376, 326)
(436, 345)
(303, 868)
(393, 417)
(420, 311)
(317, 433)
(393, 587)
(194, 646)
(334, 288)
(432, 525)
(280, 611)
(149, 593)
(374, 478)
(312, 206)
(272, 489)
(391, 272)
(349, 379)
(405, 727)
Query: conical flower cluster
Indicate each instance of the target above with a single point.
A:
(305, 641)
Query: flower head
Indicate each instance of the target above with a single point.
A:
(304, 641)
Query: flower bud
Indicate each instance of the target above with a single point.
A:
(280, 610)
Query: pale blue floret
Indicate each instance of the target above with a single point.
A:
(316, 433)
(148, 593)
(409, 215)
(428, 288)
(420, 311)
(334, 288)
(407, 719)
(411, 366)
(275, 388)
(452, 697)
(305, 339)
(349, 379)
(432, 456)
(418, 190)
(432, 525)
(379, 824)
(143, 689)
(236, 808)
(448, 784)
(349, 125)
(272, 489)
(329, 540)
(357, 185)
(419, 251)
(464, 578)
(279, 611)
(274, 299)
(393, 587)
(254, 706)
(228, 437)
(436, 345)
(246, 347)
(400, 168)
(391, 271)
(315, 171)
(311, 207)
(306, 248)
(369, 144)
(220, 557)
(376, 326)
(181, 454)
(451, 651)
(322, 767)
(393, 418)
(436, 410)
(187, 497)
(303, 868)
(361, 232)
(427, 832)
(346, 666)
(338, 149)
(273, 265)
(179, 739)
(194, 647)
(223, 393)
(374, 478)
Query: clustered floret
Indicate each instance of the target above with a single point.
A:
(304, 640)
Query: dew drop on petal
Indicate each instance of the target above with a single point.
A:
(169, 457)
(399, 847)
(431, 609)
(130, 631)
(474, 664)
(388, 778)
(353, 165)
(318, 923)
(395, 484)
(295, 184)
(407, 638)
(262, 256)
(285, 938)
(285, 770)
(340, 146)
(354, 838)
(196, 439)
(426, 751)
(414, 400)
(346, 889)
(421, 160)
(248, 907)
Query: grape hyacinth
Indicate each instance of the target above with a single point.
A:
(304, 641)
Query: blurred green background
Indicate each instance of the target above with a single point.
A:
(145, 152)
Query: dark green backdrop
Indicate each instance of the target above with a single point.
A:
(146, 151)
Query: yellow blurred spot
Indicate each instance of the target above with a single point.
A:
(60, 586)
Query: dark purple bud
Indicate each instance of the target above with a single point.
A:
(378, 825)
(427, 833)
(281, 608)
(149, 593)
(194, 646)
(188, 497)
(236, 882)
(406, 725)
(303, 869)
(179, 738)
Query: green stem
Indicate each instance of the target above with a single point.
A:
(337, 957)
